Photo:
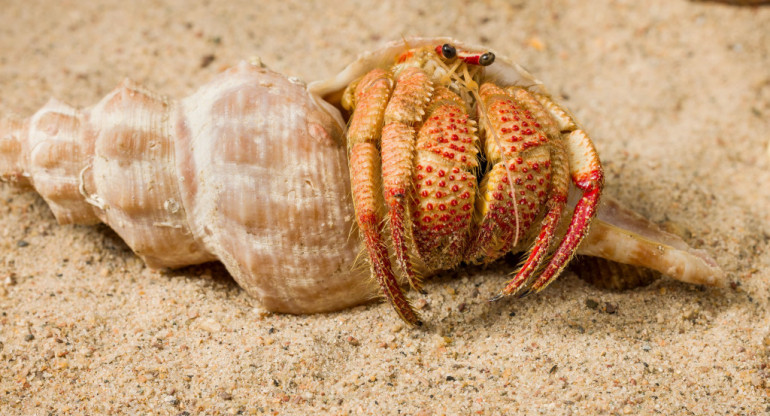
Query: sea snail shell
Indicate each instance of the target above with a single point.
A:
(250, 170)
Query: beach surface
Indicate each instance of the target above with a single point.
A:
(675, 94)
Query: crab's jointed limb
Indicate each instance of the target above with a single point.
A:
(405, 109)
(371, 97)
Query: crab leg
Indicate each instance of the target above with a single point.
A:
(371, 96)
(557, 195)
(405, 109)
(587, 175)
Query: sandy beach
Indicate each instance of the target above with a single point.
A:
(675, 94)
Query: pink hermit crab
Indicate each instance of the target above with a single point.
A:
(421, 131)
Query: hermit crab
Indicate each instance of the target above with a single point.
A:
(423, 155)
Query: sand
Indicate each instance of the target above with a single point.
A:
(676, 95)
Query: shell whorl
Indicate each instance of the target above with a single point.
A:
(248, 170)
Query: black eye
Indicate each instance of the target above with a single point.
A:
(448, 51)
(487, 59)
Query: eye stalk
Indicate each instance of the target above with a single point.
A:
(447, 51)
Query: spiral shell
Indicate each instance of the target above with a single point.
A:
(248, 170)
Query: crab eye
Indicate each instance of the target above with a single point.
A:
(486, 59)
(448, 51)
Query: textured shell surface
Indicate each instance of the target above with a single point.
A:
(248, 170)
(251, 170)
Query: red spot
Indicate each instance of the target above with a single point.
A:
(429, 182)
(441, 173)
(463, 158)
(441, 207)
(453, 202)
(529, 177)
(424, 194)
(441, 183)
(426, 218)
(466, 207)
(524, 170)
(419, 167)
(513, 148)
(455, 137)
(535, 166)
(518, 161)
(429, 207)
(541, 181)
(515, 128)
(455, 188)
(419, 177)
(455, 170)
(429, 169)
(439, 194)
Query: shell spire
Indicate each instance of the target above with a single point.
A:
(248, 170)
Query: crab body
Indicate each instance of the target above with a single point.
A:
(463, 170)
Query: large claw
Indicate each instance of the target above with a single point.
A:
(586, 173)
